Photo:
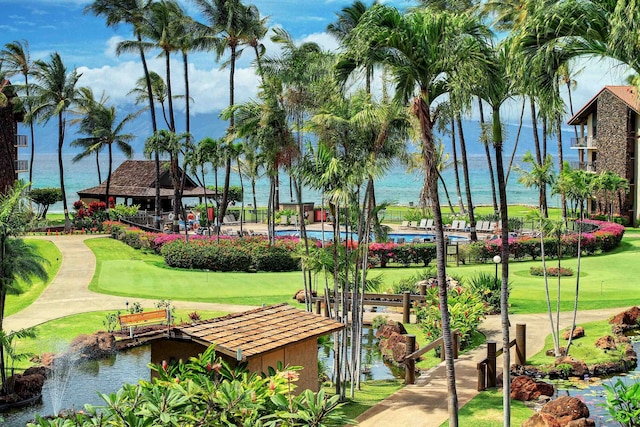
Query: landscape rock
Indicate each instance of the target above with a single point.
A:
(566, 409)
(578, 367)
(628, 317)
(26, 386)
(606, 343)
(582, 422)
(578, 332)
(300, 296)
(525, 388)
(540, 419)
(551, 352)
(90, 347)
(385, 331)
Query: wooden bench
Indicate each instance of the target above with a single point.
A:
(131, 321)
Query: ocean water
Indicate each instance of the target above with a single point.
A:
(396, 187)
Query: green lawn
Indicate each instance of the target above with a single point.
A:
(124, 271)
(485, 410)
(582, 348)
(372, 393)
(49, 251)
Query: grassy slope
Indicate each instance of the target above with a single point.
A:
(603, 283)
(582, 348)
(49, 251)
(144, 275)
(485, 410)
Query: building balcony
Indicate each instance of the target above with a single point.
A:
(585, 166)
(22, 141)
(589, 143)
(22, 166)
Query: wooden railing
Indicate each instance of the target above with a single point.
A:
(487, 369)
(413, 355)
(404, 300)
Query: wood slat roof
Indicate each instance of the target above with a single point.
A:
(136, 178)
(260, 330)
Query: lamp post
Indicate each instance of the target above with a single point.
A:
(496, 261)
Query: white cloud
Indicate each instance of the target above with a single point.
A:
(112, 44)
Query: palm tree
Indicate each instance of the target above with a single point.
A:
(230, 23)
(103, 130)
(133, 12)
(495, 89)
(53, 94)
(419, 48)
(158, 90)
(86, 101)
(16, 59)
(538, 176)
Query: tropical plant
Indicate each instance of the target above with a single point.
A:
(44, 197)
(623, 402)
(18, 261)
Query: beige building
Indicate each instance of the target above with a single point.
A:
(261, 337)
(608, 130)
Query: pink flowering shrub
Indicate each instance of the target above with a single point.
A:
(605, 238)
(415, 253)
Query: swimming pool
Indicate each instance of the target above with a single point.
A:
(328, 235)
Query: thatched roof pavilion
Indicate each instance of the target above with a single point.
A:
(135, 181)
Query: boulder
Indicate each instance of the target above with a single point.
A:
(96, 346)
(606, 343)
(27, 386)
(525, 388)
(566, 409)
(541, 420)
(628, 317)
(582, 422)
(385, 331)
(578, 332)
(300, 297)
(394, 348)
(578, 367)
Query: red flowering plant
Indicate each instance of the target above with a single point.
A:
(91, 216)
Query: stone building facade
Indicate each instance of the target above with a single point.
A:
(608, 126)
(10, 141)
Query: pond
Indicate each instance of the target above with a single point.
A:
(108, 376)
(593, 394)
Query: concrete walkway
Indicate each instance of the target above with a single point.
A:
(422, 404)
(425, 403)
(68, 293)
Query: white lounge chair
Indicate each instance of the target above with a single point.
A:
(405, 224)
(423, 224)
(454, 225)
(480, 225)
(284, 220)
(429, 225)
(462, 225)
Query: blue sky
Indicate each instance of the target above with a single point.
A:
(86, 43)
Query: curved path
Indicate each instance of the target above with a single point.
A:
(68, 293)
(421, 405)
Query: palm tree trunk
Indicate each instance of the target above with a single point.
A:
(61, 126)
(98, 167)
(107, 189)
(563, 197)
(172, 121)
(31, 131)
(504, 289)
(454, 150)
(421, 110)
(227, 168)
(536, 144)
(154, 128)
(467, 182)
(446, 193)
(515, 146)
(185, 63)
(494, 198)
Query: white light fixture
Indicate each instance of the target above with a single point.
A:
(497, 259)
